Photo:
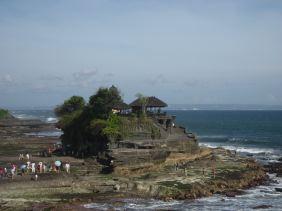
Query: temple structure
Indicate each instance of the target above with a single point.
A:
(152, 107)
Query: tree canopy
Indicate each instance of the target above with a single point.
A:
(104, 100)
(70, 105)
(88, 128)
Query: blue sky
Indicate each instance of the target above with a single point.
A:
(190, 52)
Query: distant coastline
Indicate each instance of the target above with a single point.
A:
(192, 107)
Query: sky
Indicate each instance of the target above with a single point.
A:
(184, 52)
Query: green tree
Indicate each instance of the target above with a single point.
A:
(104, 100)
(89, 128)
(70, 105)
(112, 129)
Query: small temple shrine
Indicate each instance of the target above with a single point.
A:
(151, 106)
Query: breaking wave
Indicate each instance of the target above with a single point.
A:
(47, 116)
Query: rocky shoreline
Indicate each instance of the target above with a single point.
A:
(179, 176)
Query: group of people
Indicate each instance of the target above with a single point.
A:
(29, 167)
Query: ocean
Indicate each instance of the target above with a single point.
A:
(253, 133)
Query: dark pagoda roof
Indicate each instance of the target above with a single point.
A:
(151, 102)
(121, 106)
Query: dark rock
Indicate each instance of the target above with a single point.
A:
(230, 194)
(274, 168)
(278, 189)
(234, 193)
(250, 155)
(279, 175)
(264, 206)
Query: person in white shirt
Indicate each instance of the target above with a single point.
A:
(67, 166)
(33, 167)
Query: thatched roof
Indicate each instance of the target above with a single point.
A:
(151, 102)
(121, 106)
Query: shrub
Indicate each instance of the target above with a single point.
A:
(3, 113)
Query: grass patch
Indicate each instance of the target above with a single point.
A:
(176, 184)
(3, 113)
(148, 176)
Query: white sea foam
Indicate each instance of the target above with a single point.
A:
(51, 120)
(212, 136)
(261, 195)
(208, 145)
(135, 204)
(99, 206)
(251, 150)
(24, 116)
(56, 133)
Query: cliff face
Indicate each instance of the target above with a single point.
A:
(149, 142)
(173, 166)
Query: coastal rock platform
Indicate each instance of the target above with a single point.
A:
(170, 175)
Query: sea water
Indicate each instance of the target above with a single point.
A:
(45, 115)
(255, 134)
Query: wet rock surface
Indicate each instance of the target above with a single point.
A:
(274, 168)
(264, 206)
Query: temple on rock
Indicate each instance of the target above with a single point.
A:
(152, 107)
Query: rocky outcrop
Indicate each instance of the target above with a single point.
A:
(230, 186)
(264, 206)
(274, 168)
(170, 168)
(13, 127)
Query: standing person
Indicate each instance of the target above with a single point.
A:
(28, 166)
(23, 169)
(27, 156)
(13, 171)
(5, 171)
(21, 157)
(40, 167)
(58, 165)
(44, 168)
(49, 151)
(67, 166)
(33, 167)
(1, 172)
